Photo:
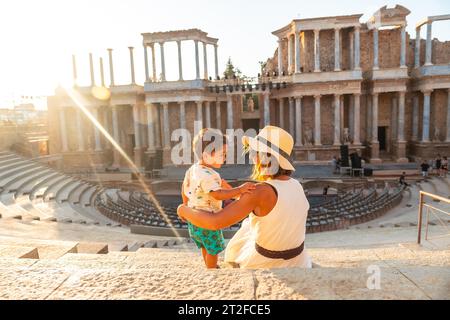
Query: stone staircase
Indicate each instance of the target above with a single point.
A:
(31, 269)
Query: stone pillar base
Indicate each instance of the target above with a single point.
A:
(138, 158)
(401, 152)
(167, 161)
(428, 150)
(375, 153)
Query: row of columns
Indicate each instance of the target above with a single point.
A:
(376, 60)
(294, 44)
(295, 116)
(428, 48)
(80, 130)
(180, 61)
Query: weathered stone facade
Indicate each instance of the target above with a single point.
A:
(389, 90)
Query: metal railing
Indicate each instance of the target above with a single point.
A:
(430, 209)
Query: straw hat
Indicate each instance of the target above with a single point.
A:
(273, 140)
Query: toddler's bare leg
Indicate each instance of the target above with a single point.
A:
(204, 253)
(211, 261)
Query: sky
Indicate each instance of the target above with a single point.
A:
(39, 37)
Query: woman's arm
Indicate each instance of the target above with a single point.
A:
(183, 196)
(226, 217)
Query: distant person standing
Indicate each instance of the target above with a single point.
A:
(424, 168)
(438, 164)
(325, 190)
(444, 167)
(402, 180)
(335, 164)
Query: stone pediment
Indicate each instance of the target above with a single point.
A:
(178, 35)
(388, 17)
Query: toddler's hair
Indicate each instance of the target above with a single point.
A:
(204, 138)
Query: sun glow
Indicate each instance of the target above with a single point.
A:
(78, 100)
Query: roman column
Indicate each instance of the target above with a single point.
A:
(415, 120)
(229, 111)
(197, 61)
(403, 48)
(163, 63)
(218, 116)
(116, 136)
(147, 74)
(298, 121)
(107, 125)
(369, 117)
(150, 127)
(166, 125)
(448, 116)
(316, 50)
(180, 62)
(74, 70)
(216, 61)
(182, 115)
(143, 127)
(62, 123)
(102, 74)
(111, 69)
(291, 117)
(133, 80)
(199, 113)
(351, 115)
(317, 139)
(137, 136)
(280, 57)
(429, 46)
(91, 69)
(152, 46)
(351, 49)
(417, 49)
(375, 145)
(289, 55)
(401, 117)
(375, 49)
(281, 112)
(337, 49)
(337, 120)
(375, 118)
(205, 62)
(357, 62)
(298, 64)
(156, 116)
(98, 146)
(394, 118)
(266, 95)
(426, 116)
(356, 118)
(208, 114)
(80, 131)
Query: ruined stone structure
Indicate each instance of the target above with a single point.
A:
(333, 80)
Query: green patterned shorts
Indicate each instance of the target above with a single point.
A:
(212, 240)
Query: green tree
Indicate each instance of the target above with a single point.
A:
(232, 71)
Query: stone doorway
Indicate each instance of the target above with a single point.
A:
(382, 138)
(250, 124)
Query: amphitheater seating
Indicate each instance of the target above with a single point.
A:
(30, 190)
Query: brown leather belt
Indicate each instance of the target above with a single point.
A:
(285, 254)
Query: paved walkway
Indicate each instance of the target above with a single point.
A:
(308, 171)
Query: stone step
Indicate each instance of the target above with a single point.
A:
(21, 252)
(92, 247)
(83, 276)
(47, 249)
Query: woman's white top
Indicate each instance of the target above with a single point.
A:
(281, 229)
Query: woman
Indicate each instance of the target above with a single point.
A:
(274, 233)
